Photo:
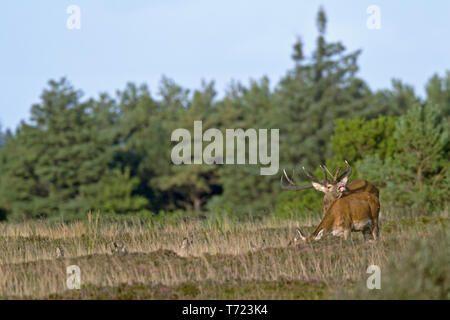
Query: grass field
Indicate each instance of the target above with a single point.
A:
(222, 259)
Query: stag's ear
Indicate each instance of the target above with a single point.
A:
(318, 187)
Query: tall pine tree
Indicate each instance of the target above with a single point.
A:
(310, 97)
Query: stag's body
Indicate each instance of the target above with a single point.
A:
(362, 186)
(335, 188)
(357, 186)
(344, 208)
(353, 212)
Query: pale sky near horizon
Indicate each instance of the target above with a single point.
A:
(139, 41)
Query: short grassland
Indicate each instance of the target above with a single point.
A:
(223, 260)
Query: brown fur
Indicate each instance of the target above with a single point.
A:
(356, 211)
(356, 186)
(362, 186)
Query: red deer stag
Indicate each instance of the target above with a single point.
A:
(345, 208)
(354, 212)
(333, 189)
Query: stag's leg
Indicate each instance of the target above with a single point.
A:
(347, 233)
(375, 229)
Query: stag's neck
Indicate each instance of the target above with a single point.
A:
(324, 224)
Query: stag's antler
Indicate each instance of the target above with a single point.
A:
(336, 177)
(347, 172)
(336, 174)
(325, 172)
(292, 185)
(310, 175)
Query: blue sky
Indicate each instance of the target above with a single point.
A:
(139, 41)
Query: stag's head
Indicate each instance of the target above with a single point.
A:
(299, 236)
(333, 186)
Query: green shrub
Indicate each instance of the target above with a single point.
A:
(298, 205)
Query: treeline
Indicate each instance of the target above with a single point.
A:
(112, 154)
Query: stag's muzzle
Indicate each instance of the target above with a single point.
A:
(342, 187)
